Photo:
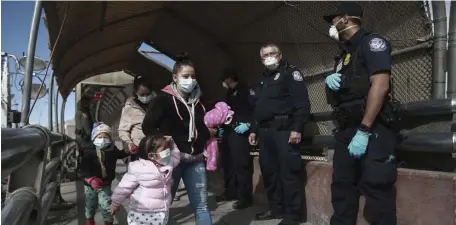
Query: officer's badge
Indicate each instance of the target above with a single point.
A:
(377, 45)
(297, 76)
(252, 92)
(347, 59)
(277, 76)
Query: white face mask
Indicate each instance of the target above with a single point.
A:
(187, 85)
(101, 142)
(271, 63)
(165, 157)
(224, 85)
(334, 33)
(145, 99)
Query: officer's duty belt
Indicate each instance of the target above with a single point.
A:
(349, 115)
(278, 122)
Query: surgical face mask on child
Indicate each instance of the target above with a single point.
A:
(334, 33)
(186, 85)
(165, 157)
(101, 142)
(145, 99)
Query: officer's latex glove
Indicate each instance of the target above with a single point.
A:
(333, 81)
(358, 144)
(242, 128)
(220, 132)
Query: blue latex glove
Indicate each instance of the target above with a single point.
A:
(358, 144)
(242, 128)
(333, 81)
(220, 132)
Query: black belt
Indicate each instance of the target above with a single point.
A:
(278, 122)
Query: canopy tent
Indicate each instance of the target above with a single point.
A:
(100, 37)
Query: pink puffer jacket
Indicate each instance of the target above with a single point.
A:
(148, 186)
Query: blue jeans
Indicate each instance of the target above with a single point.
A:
(194, 176)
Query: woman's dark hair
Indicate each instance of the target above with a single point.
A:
(181, 61)
(140, 81)
(149, 144)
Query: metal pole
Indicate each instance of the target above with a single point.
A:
(452, 52)
(51, 92)
(56, 108)
(26, 95)
(440, 42)
(62, 117)
(6, 93)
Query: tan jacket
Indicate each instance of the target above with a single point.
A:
(130, 130)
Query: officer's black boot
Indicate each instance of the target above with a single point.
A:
(268, 215)
(242, 204)
(223, 198)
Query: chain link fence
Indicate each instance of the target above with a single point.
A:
(301, 33)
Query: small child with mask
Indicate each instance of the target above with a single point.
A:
(148, 182)
(98, 165)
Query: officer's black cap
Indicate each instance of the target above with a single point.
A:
(345, 8)
(229, 73)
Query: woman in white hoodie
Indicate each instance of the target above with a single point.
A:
(130, 126)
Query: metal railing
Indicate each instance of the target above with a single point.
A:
(31, 157)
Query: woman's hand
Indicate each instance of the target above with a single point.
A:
(212, 132)
(114, 208)
(132, 148)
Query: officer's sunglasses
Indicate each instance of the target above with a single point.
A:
(271, 54)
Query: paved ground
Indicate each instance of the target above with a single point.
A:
(222, 213)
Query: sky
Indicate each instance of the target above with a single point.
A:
(15, 28)
(16, 20)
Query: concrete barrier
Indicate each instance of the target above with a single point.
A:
(423, 197)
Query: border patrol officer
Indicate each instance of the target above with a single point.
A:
(364, 156)
(236, 159)
(281, 111)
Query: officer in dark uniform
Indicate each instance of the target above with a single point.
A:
(364, 158)
(281, 111)
(236, 159)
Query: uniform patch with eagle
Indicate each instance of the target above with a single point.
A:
(377, 45)
(297, 76)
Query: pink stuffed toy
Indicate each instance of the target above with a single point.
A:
(221, 114)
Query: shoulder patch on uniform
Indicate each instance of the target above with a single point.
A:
(377, 45)
(297, 76)
(252, 92)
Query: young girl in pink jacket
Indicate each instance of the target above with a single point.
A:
(148, 182)
(221, 114)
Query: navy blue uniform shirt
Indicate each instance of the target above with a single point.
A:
(241, 102)
(282, 93)
(374, 52)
